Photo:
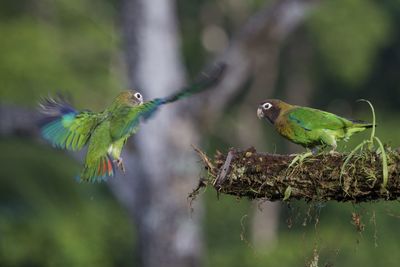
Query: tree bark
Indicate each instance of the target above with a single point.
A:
(268, 176)
(164, 163)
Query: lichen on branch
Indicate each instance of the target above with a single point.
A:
(248, 173)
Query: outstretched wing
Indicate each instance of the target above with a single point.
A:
(98, 164)
(126, 120)
(314, 119)
(204, 81)
(63, 126)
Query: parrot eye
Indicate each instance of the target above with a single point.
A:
(138, 96)
(267, 106)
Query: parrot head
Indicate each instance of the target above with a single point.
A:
(129, 97)
(136, 97)
(271, 109)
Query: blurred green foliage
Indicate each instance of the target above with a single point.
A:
(349, 35)
(47, 219)
(327, 228)
(61, 45)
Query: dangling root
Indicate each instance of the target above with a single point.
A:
(319, 178)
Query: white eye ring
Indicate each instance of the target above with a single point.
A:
(138, 96)
(267, 106)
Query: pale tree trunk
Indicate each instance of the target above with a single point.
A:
(164, 165)
(264, 225)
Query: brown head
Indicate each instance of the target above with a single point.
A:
(271, 109)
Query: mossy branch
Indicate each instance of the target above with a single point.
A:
(248, 173)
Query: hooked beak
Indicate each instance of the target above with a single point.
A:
(260, 113)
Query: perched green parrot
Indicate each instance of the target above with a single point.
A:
(106, 132)
(311, 128)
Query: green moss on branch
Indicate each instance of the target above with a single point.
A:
(248, 173)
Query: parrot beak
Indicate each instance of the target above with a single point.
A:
(260, 113)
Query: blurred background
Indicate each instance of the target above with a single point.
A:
(324, 54)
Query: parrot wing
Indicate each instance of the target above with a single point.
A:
(98, 164)
(314, 119)
(205, 80)
(126, 120)
(65, 127)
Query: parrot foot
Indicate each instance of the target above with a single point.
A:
(334, 153)
(120, 164)
(300, 158)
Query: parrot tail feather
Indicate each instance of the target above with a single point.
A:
(362, 124)
(99, 171)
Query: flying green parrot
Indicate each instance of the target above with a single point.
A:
(106, 132)
(311, 128)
